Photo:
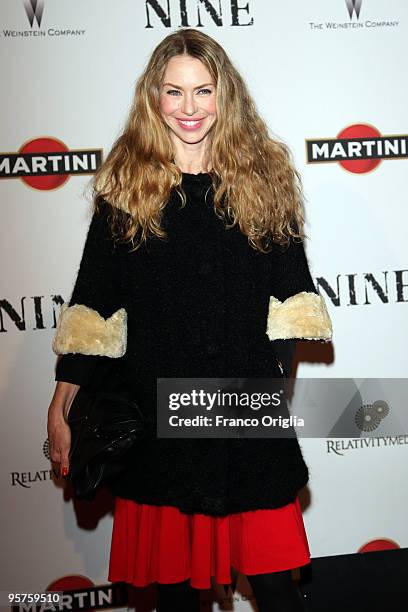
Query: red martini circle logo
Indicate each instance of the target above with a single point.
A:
(382, 544)
(80, 593)
(355, 133)
(358, 148)
(46, 163)
(68, 583)
(40, 146)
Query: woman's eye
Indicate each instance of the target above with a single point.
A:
(177, 92)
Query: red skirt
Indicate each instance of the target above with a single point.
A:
(161, 544)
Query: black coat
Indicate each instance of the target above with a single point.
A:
(197, 306)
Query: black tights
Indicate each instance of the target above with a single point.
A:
(274, 592)
(177, 597)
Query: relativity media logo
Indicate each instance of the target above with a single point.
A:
(340, 447)
(34, 10)
(353, 8)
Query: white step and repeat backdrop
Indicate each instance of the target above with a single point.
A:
(329, 78)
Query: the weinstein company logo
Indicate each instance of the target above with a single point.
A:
(354, 6)
(358, 148)
(34, 10)
(47, 163)
(354, 23)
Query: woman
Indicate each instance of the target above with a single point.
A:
(194, 267)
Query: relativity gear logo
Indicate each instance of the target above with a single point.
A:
(354, 6)
(369, 416)
(34, 10)
(358, 148)
(46, 163)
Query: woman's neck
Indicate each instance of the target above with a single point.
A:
(192, 167)
(192, 162)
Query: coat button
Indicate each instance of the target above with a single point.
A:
(205, 268)
(211, 349)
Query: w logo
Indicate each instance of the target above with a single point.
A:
(354, 5)
(34, 10)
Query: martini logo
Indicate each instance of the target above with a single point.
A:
(80, 593)
(34, 10)
(354, 6)
(77, 592)
(47, 163)
(358, 148)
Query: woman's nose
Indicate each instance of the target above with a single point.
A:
(188, 104)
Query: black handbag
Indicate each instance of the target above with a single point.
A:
(104, 424)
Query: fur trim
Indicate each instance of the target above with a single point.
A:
(302, 316)
(83, 330)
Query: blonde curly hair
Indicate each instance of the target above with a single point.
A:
(255, 182)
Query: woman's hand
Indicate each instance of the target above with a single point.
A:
(59, 433)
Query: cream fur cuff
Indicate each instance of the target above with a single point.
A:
(83, 330)
(302, 316)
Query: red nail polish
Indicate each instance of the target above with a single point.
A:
(64, 471)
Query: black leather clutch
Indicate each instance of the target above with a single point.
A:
(104, 426)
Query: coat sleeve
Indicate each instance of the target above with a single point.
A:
(296, 310)
(92, 326)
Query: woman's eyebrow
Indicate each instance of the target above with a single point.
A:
(178, 86)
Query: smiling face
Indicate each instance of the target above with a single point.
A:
(187, 100)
